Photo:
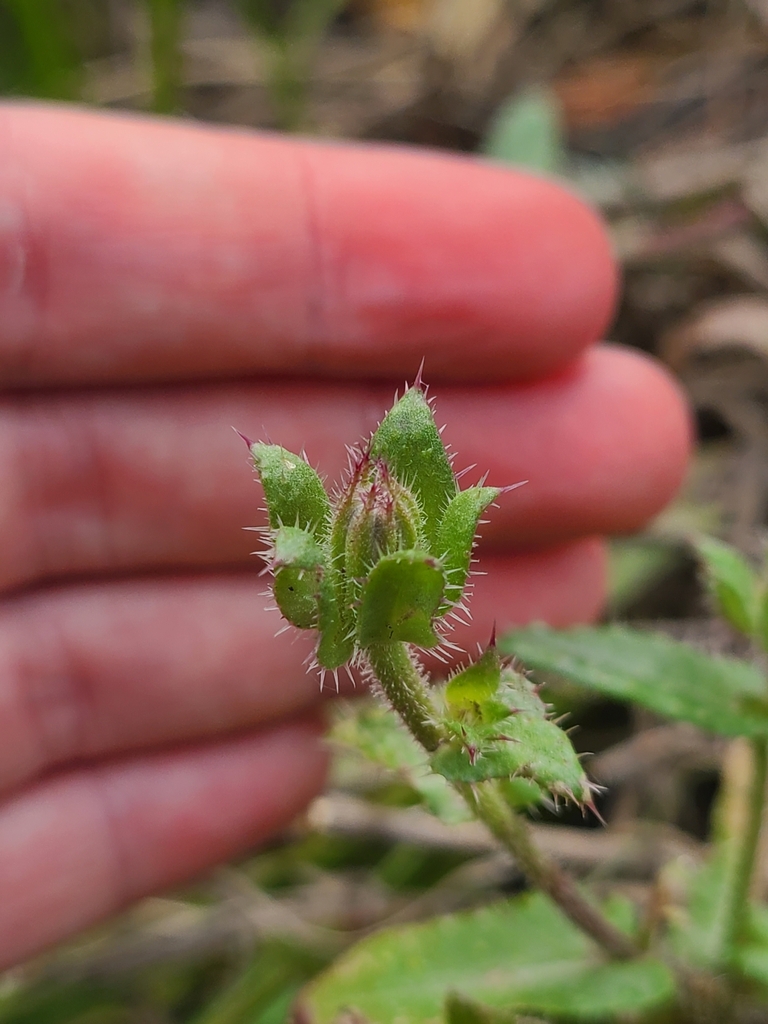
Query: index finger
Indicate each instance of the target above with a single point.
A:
(133, 249)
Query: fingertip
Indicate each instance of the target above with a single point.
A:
(497, 262)
(649, 407)
(345, 259)
(563, 585)
(603, 446)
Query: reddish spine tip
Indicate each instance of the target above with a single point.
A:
(492, 641)
(591, 805)
(418, 383)
(512, 487)
(361, 463)
(249, 443)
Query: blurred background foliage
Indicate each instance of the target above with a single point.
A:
(657, 112)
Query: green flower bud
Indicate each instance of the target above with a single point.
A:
(384, 518)
(388, 556)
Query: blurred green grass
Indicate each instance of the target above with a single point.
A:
(45, 46)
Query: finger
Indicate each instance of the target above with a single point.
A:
(603, 447)
(102, 483)
(81, 845)
(139, 250)
(562, 586)
(100, 669)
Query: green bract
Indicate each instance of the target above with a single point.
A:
(500, 728)
(388, 555)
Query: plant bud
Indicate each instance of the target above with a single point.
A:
(386, 557)
(384, 518)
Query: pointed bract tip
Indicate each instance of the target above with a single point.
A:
(248, 442)
(591, 805)
(512, 487)
(492, 641)
(418, 383)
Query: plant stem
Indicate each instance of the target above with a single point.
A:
(512, 830)
(404, 687)
(746, 848)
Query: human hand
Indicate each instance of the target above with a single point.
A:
(160, 283)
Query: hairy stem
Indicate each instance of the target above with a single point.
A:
(512, 830)
(403, 686)
(746, 846)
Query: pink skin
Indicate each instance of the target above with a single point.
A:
(85, 842)
(155, 279)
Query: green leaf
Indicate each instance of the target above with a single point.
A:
(378, 734)
(409, 442)
(533, 748)
(721, 695)
(64, 1002)
(296, 592)
(298, 565)
(527, 131)
(296, 548)
(400, 599)
(294, 492)
(267, 984)
(732, 583)
(520, 955)
(456, 535)
(460, 1010)
(476, 683)
(335, 646)
(501, 729)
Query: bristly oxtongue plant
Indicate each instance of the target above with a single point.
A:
(376, 569)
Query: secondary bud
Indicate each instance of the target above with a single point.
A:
(384, 518)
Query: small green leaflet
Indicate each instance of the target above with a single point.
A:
(697, 933)
(501, 729)
(456, 536)
(527, 130)
(400, 599)
(298, 566)
(294, 492)
(732, 583)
